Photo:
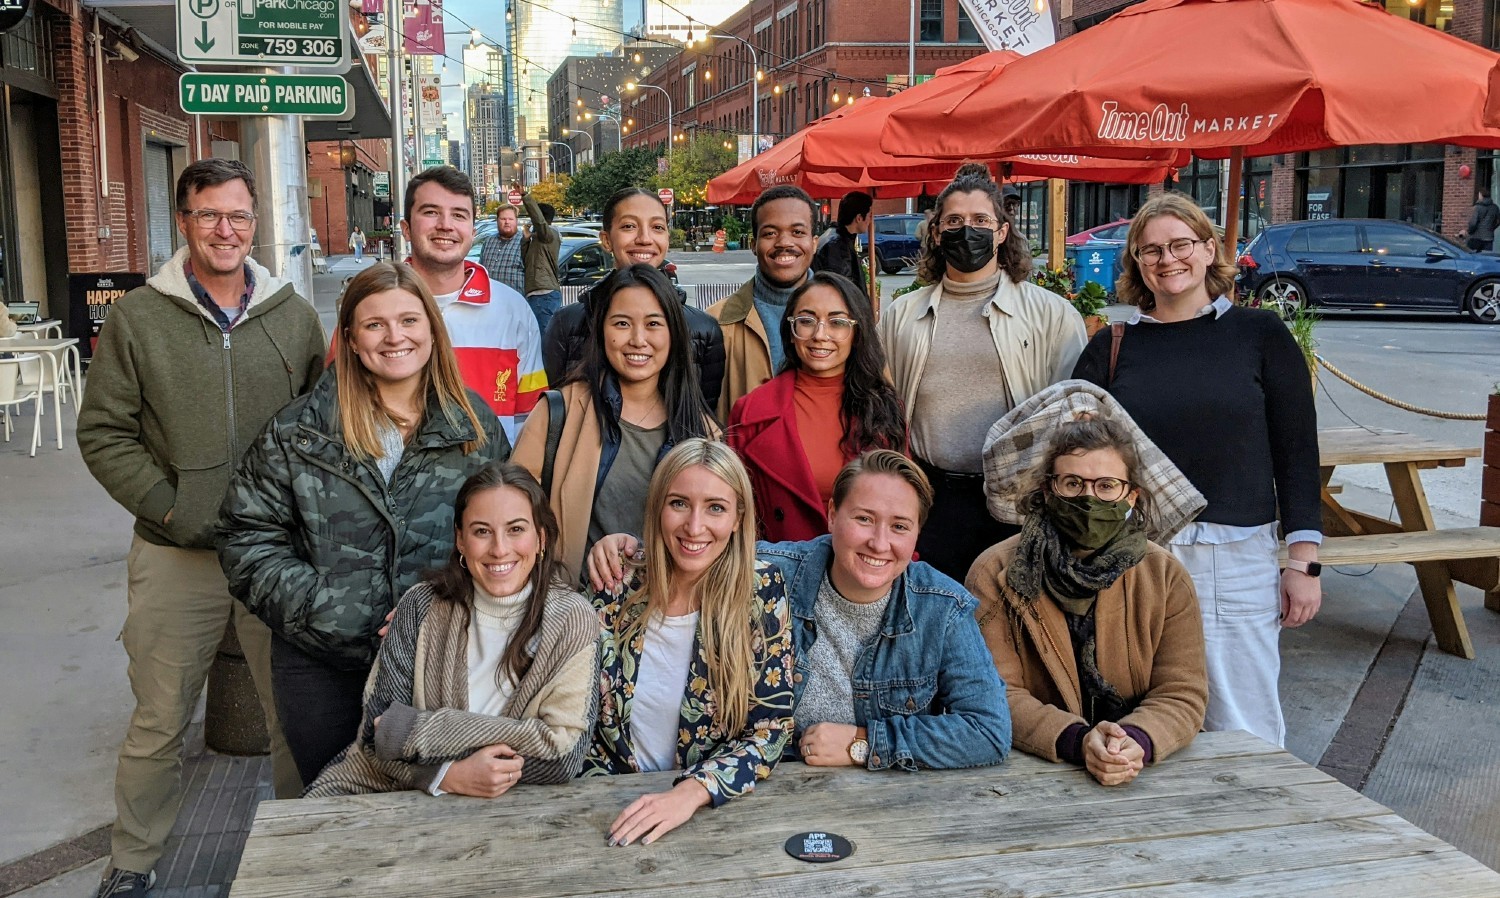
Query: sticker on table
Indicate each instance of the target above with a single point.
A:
(819, 848)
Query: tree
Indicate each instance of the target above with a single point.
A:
(554, 191)
(593, 185)
(692, 165)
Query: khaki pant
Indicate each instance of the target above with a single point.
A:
(179, 607)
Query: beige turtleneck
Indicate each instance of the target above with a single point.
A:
(962, 391)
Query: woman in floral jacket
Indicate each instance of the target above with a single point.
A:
(697, 656)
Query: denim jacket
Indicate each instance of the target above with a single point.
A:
(925, 689)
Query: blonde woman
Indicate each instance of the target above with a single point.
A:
(697, 660)
(345, 500)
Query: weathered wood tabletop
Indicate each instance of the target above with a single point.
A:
(1228, 816)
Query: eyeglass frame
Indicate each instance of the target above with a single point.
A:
(1165, 249)
(196, 216)
(1087, 486)
(825, 324)
(965, 221)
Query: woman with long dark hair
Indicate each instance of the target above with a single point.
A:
(632, 397)
(506, 689)
(831, 402)
(637, 231)
(343, 502)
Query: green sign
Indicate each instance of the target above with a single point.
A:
(311, 95)
(264, 32)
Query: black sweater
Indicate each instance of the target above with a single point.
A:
(1230, 402)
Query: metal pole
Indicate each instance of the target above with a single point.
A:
(581, 134)
(911, 68)
(398, 124)
(275, 150)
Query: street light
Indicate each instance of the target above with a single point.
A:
(565, 132)
(631, 86)
(572, 165)
(754, 90)
(619, 141)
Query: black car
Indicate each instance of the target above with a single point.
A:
(896, 245)
(1369, 264)
(582, 262)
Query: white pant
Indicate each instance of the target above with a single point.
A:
(1239, 594)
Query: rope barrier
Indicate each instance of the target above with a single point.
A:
(1405, 406)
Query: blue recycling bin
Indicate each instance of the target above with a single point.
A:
(1095, 262)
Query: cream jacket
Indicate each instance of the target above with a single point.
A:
(1038, 336)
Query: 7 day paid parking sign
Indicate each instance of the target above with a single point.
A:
(309, 95)
(311, 33)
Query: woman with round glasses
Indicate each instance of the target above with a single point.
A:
(1094, 630)
(829, 404)
(968, 349)
(1224, 391)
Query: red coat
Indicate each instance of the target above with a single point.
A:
(763, 430)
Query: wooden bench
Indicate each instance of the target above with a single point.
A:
(1471, 555)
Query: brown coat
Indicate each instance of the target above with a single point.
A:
(747, 354)
(1149, 643)
(574, 470)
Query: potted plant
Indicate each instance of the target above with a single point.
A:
(1301, 319)
(1090, 300)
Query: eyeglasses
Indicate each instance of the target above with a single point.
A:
(208, 219)
(805, 327)
(1105, 489)
(1180, 249)
(988, 222)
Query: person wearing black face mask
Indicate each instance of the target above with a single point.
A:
(1095, 631)
(966, 350)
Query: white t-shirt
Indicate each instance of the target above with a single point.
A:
(661, 680)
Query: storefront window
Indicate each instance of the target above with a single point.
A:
(1402, 183)
(967, 33)
(1255, 207)
(932, 22)
(1437, 13)
(1200, 180)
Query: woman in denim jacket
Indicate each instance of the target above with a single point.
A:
(891, 670)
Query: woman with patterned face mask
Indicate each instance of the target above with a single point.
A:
(1094, 630)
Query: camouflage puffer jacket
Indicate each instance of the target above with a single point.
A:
(319, 546)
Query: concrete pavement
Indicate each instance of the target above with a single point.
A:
(1366, 692)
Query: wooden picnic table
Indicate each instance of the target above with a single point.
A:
(1440, 556)
(1230, 815)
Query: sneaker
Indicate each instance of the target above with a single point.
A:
(125, 884)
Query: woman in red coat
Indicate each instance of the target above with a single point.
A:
(830, 403)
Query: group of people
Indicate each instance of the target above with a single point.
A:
(712, 526)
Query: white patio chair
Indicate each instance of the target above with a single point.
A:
(14, 394)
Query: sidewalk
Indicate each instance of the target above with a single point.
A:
(1367, 695)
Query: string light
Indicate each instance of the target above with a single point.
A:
(835, 95)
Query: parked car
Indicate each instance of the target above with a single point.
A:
(896, 245)
(1114, 232)
(582, 262)
(1369, 264)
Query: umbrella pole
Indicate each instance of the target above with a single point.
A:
(1057, 221)
(870, 242)
(1232, 206)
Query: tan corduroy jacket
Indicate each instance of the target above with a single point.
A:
(1149, 644)
(1038, 337)
(747, 355)
(574, 470)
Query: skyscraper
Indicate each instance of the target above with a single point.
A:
(684, 20)
(541, 37)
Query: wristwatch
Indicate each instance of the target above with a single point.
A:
(1310, 568)
(859, 751)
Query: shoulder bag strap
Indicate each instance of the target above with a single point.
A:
(1116, 334)
(556, 411)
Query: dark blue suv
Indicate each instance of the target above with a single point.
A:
(896, 245)
(1347, 263)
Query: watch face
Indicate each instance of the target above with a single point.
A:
(1314, 569)
(859, 751)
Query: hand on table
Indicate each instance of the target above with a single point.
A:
(827, 744)
(1111, 756)
(652, 816)
(487, 773)
(605, 564)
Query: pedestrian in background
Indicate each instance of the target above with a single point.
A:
(632, 397)
(965, 351)
(830, 403)
(841, 254)
(357, 243)
(636, 232)
(543, 288)
(500, 253)
(781, 228)
(1224, 391)
(1482, 223)
(344, 502)
(187, 371)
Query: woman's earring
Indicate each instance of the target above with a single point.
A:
(462, 561)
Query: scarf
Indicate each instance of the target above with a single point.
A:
(1045, 562)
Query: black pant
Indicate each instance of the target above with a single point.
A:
(959, 528)
(320, 705)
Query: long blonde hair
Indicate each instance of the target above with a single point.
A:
(1130, 286)
(361, 413)
(730, 622)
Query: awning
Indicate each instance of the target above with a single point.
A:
(155, 22)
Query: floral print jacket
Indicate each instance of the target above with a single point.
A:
(726, 764)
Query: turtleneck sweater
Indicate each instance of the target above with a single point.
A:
(818, 403)
(770, 303)
(495, 620)
(962, 391)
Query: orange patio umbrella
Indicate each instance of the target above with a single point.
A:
(1219, 78)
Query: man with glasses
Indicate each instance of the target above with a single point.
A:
(188, 370)
(965, 351)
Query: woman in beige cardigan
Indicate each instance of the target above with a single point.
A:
(1094, 630)
(633, 396)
